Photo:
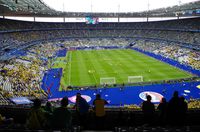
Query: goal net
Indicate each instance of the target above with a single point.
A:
(107, 80)
(135, 79)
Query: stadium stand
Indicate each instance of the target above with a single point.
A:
(28, 51)
(170, 50)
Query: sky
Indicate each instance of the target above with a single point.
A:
(111, 5)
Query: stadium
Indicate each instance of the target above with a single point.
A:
(48, 53)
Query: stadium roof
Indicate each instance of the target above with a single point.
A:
(40, 8)
(110, 6)
(24, 7)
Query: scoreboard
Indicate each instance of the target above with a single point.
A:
(91, 20)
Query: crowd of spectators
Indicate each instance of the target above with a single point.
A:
(15, 34)
(62, 117)
(109, 42)
(171, 50)
(16, 40)
(194, 104)
(22, 76)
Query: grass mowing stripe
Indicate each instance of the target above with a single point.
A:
(92, 66)
(76, 69)
(80, 73)
(117, 71)
(131, 64)
(69, 70)
(85, 68)
(101, 67)
(119, 65)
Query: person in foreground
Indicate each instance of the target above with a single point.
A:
(99, 111)
(61, 119)
(36, 117)
(148, 109)
(82, 109)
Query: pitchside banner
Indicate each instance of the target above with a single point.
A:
(91, 20)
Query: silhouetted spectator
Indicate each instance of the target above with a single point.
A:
(36, 118)
(99, 111)
(82, 108)
(48, 113)
(4, 122)
(183, 110)
(48, 107)
(62, 116)
(148, 109)
(162, 107)
(174, 109)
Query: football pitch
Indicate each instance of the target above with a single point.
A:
(87, 67)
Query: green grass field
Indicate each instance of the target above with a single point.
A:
(85, 68)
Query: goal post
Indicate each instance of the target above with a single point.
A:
(107, 80)
(135, 79)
